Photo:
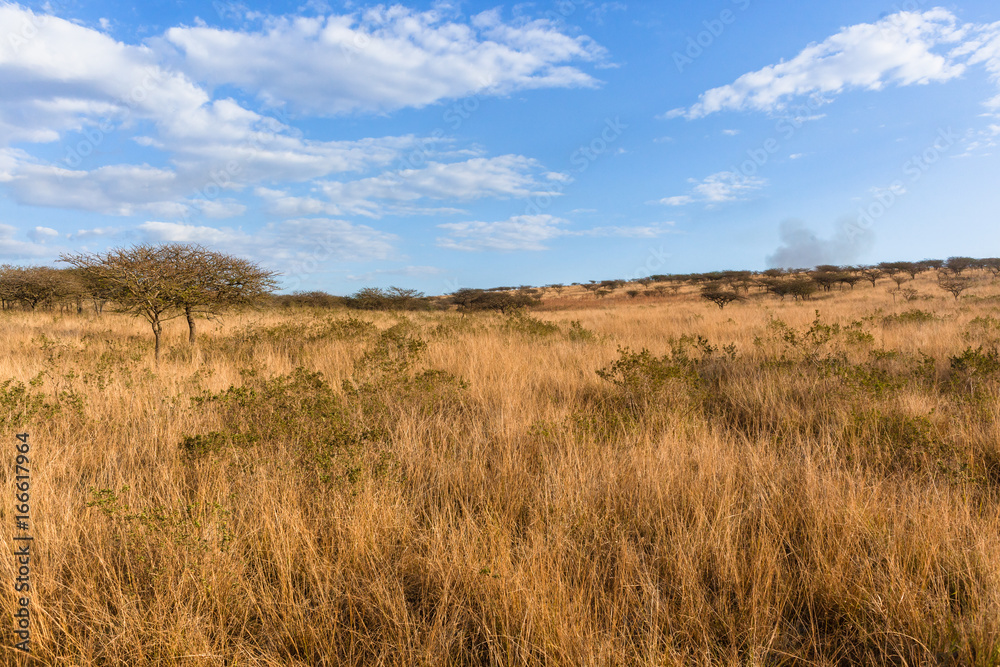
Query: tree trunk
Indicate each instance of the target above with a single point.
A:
(157, 332)
(190, 319)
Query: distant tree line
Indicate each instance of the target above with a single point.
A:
(725, 287)
(162, 282)
(498, 299)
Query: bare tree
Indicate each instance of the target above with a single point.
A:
(210, 282)
(143, 280)
(955, 285)
(162, 282)
(7, 297)
(34, 286)
(992, 264)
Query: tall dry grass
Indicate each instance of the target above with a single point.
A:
(761, 486)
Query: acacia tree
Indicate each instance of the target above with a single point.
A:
(892, 268)
(160, 283)
(958, 264)
(142, 280)
(826, 279)
(713, 292)
(468, 299)
(210, 282)
(871, 274)
(955, 285)
(35, 286)
(850, 280)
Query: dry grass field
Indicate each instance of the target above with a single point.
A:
(648, 481)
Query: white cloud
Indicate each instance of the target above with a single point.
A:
(634, 232)
(195, 184)
(294, 247)
(984, 49)
(157, 95)
(97, 232)
(530, 232)
(216, 147)
(679, 200)
(405, 271)
(383, 58)
(49, 88)
(896, 50)
(981, 142)
(13, 248)
(42, 234)
(730, 133)
(115, 190)
(175, 232)
(719, 188)
(521, 232)
(220, 209)
(499, 177)
(280, 203)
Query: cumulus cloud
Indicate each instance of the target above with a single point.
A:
(49, 88)
(383, 58)
(521, 232)
(898, 50)
(500, 177)
(719, 188)
(115, 190)
(42, 234)
(160, 97)
(11, 247)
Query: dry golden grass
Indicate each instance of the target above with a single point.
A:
(825, 492)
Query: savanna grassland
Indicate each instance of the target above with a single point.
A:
(646, 481)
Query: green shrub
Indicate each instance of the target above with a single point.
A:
(578, 333)
(913, 316)
(348, 328)
(529, 326)
(299, 411)
(976, 363)
(19, 405)
(640, 377)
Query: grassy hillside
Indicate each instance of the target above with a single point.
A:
(630, 480)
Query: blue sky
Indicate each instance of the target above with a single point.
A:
(440, 145)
